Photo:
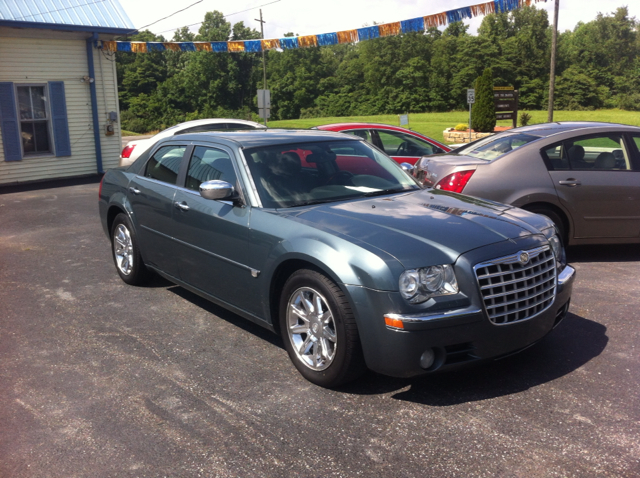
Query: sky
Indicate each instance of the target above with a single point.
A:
(306, 17)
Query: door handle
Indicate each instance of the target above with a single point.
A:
(134, 190)
(571, 182)
(181, 205)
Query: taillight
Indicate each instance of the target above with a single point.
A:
(455, 182)
(126, 152)
(100, 189)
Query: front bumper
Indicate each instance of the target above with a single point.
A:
(457, 336)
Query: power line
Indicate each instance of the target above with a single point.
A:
(169, 16)
(61, 9)
(224, 16)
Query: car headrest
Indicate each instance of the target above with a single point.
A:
(286, 164)
(576, 153)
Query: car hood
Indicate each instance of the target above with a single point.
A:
(421, 228)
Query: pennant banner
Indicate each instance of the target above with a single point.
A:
(419, 24)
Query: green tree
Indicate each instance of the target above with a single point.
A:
(483, 111)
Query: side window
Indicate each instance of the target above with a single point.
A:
(606, 152)
(239, 126)
(395, 143)
(208, 164)
(203, 127)
(636, 139)
(165, 164)
(556, 157)
(361, 133)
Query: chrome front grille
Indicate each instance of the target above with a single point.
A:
(518, 287)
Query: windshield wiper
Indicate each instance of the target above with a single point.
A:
(387, 191)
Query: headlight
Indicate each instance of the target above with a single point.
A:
(556, 245)
(419, 285)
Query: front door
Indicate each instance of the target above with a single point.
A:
(212, 236)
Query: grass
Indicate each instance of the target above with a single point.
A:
(433, 124)
(128, 133)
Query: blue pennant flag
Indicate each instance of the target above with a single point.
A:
(155, 46)
(289, 43)
(413, 25)
(254, 46)
(325, 39)
(220, 46)
(187, 46)
(368, 33)
(124, 46)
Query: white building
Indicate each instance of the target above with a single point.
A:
(59, 113)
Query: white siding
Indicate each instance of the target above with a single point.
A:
(30, 60)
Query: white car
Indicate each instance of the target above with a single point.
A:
(135, 148)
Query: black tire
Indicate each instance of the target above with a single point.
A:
(346, 362)
(126, 254)
(555, 217)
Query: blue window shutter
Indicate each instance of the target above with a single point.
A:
(59, 118)
(9, 124)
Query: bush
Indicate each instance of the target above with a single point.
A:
(524, 118)
(483, 111)
(130, 122)
(461, 127)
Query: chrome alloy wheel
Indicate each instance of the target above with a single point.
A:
(123, 249)
(312, 329)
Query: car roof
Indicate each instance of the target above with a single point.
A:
(339, 126)
(269, 137)
(199, 122)
(548, 129)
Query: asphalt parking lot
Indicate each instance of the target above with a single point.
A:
(101, 379)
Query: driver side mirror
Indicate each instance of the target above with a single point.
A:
(216, 189)
(408, 168)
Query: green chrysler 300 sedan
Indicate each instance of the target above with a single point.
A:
(323, 238)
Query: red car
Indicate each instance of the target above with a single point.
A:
(403, 145)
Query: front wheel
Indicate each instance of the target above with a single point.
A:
(126, 255)
(319, 330)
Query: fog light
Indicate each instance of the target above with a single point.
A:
(427, 358)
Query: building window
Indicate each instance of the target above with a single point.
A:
(34, 119)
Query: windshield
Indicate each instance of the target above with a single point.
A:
(311, 173)
(492, 147)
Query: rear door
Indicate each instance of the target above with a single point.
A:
(151, 195)
(596, 181)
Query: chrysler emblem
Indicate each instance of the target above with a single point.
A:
(523, 258)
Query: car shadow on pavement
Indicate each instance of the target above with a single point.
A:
(604, 253)
(227, 315)
(571, 345)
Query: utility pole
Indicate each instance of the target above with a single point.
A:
(264, 62)
(552, 73)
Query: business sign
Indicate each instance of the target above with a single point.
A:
(505, 98)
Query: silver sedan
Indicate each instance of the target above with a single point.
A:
(583, 176)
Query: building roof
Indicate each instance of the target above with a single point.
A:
(98, 15)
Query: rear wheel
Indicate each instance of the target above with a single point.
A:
(319, 330)
(126, 255)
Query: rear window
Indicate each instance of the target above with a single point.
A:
(495, 146)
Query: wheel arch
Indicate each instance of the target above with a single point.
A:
(568, 226)
(286, 269)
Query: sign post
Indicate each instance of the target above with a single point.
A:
(264, 104)
(471, 99)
